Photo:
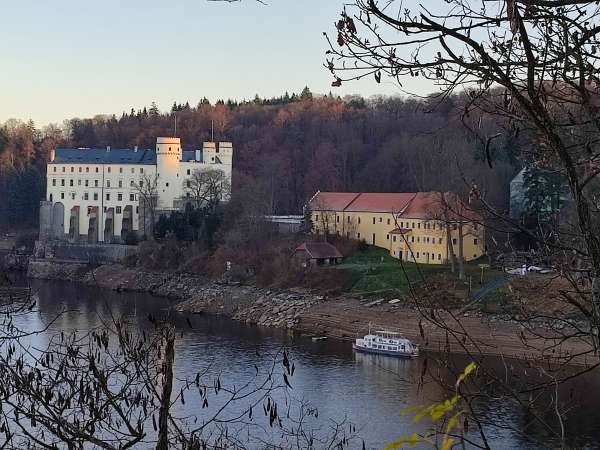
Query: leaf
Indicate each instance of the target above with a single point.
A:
(447, 442)
(468, 370)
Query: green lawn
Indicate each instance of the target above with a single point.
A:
(377, 272)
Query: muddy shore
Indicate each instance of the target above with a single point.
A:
(311, 313)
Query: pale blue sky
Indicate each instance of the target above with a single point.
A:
(68, 58)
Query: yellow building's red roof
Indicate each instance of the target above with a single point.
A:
(414, 205)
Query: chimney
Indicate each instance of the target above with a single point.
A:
(108, 148)
(135, 148)
(52, 155)
(198, 155)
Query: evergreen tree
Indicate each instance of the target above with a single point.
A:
(306, 94)
(154, 110)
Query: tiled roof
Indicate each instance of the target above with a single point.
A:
(331, 201)
(104, 156)
(414, 205)
(319, 250)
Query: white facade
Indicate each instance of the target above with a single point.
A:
(97, 188)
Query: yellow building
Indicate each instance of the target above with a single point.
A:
(423, 227)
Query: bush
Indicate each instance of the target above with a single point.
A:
(25, 242)
(131, 238)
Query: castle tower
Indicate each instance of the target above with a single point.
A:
(168, 158)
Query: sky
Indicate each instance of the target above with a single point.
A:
(69, 58)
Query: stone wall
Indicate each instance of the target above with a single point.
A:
(87, 253)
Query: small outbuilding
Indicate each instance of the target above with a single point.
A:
(318, 253)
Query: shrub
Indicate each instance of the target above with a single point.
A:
(26, 241)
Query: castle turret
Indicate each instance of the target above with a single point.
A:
(168, 158)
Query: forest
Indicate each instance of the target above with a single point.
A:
(287, 148)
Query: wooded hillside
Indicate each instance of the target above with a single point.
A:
(286, 147)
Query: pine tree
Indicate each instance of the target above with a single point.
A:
(154, 109)
(306, 94)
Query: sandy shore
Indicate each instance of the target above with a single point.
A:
(343, 317)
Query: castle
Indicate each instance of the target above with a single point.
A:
(101, 195)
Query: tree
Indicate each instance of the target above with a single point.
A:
(207, 188)
(306, 94)
(147, 190)
(530, 67)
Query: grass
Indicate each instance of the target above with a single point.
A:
(375, 271)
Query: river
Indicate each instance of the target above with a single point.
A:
(368, 391)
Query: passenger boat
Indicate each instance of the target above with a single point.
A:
(387, 343)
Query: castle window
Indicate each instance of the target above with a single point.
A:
(108, 169)
(132, 197)
(63, 169)
(107, 197)
(358, 235)
(72, 169)
(167, 184)
(412, 239)
(388, 221)
(62, 182)
(454, 241)
(79, 182)
(53, 181)
(380, 220)
(120, 183)
(70, 182)
(417, 255)
(141, 170)
(120, 197)
(87, 169)
(373, 220)
(439, 240)
(132, 170)
(359, 220)
(337, 219)
(418, 239)
(131, 183)
(188, 171)
(120, 170)
(95, 196)
(54, 169)
(187, 184)
(80, 170)
(86, 196)
(107, 183)
(316, 217)
(50, 197)
(419, 225)
(454, 226)
(96, 170)
(413, 225)
(348, 219)
(439, 256)
(87, 183)
(137, 209)
(118, 210)
(394, 238)
(387, 236)
(475, 241)
(401, 224)
(169, 148)
(62, 195)
(141, 183)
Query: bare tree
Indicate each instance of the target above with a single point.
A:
(531, 67)
(147, 190)
(207, 188)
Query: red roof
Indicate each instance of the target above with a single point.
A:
(319, 250)
(412, 205)
(331, 201)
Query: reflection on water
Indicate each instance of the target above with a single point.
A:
(369, 390)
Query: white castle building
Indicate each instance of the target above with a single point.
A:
(93, 195)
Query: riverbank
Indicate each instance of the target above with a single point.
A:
(308, 312)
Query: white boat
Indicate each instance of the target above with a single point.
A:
(387, 343)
